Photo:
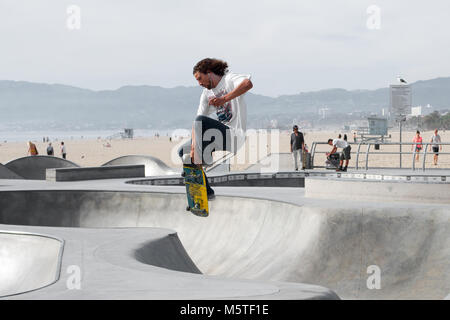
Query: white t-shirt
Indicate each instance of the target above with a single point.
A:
(340, 143)
(436, 139)
(232, 114)
(63, 148)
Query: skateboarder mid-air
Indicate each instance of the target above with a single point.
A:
(223, 95)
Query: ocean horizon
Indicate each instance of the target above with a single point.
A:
(60, 135)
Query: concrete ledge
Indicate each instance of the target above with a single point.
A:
(373, 190)
(93, 173)
(278, 179)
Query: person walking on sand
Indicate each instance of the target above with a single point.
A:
(50, 150)
(418, 144)
(63, 150)
(297, 147)
(32, 150)
(223, 94)
(436, 146)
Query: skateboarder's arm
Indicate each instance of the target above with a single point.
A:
(332, 150)
(242, 88)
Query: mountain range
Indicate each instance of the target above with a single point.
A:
(38, 105)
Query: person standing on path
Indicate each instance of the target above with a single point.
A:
(63, 150)
(297, 147)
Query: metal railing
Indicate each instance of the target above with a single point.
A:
(367, 152)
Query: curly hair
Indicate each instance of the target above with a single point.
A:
(216, 66)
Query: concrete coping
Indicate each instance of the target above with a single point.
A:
(93, 173)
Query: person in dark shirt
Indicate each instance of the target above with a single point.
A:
(297, 147)
(50, 150)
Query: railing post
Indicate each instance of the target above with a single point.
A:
(367, 155)
(357, 156)
(424, 156)
(414, 157)
(313, 152)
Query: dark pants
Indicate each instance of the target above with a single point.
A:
(214, 136)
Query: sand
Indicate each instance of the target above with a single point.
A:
(95, 152)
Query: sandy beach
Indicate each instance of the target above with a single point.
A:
(95, 152)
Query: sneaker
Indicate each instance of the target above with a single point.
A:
(211, 196)
(345, 169)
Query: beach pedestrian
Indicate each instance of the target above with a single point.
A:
(32, 149)
(436, 146)
(50, 150)
(417, 143)
(63, 150)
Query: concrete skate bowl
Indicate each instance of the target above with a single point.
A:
(5, 173)
(153, 166)
(269, 240)
(28, 262)
(34, 167)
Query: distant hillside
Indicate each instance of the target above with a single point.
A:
(35, 105)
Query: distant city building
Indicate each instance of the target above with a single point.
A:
(416, 111)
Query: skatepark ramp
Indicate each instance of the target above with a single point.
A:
(28, 262)
(5, 173)
(34, 167)
(332, 244)
(153, 166)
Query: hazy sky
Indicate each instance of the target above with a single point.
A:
(288, 46)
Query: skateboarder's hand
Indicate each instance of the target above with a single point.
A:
(192, 155)
(217, 102)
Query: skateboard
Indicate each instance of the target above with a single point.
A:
(304, 159)
(194, 179)
(332, 161)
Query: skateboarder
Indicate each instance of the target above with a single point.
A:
(345, 154)
(223, 94)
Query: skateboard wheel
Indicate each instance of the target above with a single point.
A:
(188, 208)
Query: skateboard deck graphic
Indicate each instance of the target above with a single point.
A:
(194, 179)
